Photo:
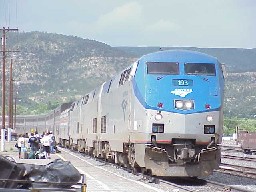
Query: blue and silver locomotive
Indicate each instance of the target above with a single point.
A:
(178, 104)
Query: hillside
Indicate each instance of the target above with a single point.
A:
(240, 95)
(53, 68)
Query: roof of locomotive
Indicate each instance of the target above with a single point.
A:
(179, 55)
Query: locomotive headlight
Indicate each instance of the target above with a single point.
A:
(178, 104)
(158, 116)
(184, 104)
(189, 104)
(209, 118)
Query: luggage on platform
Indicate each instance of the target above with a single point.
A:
(10, 170)
(23, 153)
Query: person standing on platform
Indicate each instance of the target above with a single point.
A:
(21, 143)
(37, 135)
(34, 143)
(52, 145)
(46, 142)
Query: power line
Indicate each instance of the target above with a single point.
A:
(4, 51)
(9, 12)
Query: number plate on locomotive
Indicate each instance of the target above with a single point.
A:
(182, 82)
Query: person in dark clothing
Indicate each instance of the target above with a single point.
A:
(34, 143)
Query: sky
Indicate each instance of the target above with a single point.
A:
(163, 23)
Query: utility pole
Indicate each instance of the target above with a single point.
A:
(10, 97)
(10, 115)
(15, 111)
(4, 30)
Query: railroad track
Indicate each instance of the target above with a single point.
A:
(227, 188)
(240, 170)
(202, 185)
(244, 158)
(244, 171)
(231, 148)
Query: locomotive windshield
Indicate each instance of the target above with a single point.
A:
(200, 69)
(166, 68)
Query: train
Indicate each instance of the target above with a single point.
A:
(247, 141)
(162, 115)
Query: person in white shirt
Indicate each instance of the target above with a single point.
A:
(21, 143)
(46, 142)
(52, 146)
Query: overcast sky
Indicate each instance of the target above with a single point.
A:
(197, 23)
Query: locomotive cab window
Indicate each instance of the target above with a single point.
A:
(165, 68)
(200, 69)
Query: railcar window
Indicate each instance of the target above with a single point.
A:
(85, 99)
(110, 83)
(77, 127)
(124, 76)
(166, 68)
(94, 125)
(200, 69)
(106, 86)
(103, 124)
(72, 107)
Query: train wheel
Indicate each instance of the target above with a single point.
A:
(131, 155)
(247, 151)
(135, 171)
(152, 178)
(132, 161)
(106, 152)
(90, 152)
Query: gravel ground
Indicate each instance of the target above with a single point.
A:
(239, 182)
